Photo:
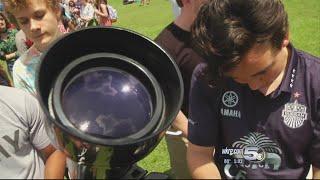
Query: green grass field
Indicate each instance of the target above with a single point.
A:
(149, 20)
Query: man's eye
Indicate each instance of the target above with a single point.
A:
(39, 15)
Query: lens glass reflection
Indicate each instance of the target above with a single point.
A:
(107, 102)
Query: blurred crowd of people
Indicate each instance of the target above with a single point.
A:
(75, 14)
(81, 13)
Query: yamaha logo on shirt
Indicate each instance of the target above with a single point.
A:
(230, 99)
(294, 114)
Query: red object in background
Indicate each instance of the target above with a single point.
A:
(29, 43)
(11, 26)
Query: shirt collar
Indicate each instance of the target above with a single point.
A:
(179, 33)
(288, 82)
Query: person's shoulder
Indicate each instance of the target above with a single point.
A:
(20, 34)
(312, 63)
(11, 95)
(201, 77)
(308, 56)
(20, 61)
(20, 102)
(310, 66)
(169, 40)
(164, 35)
(200, 70)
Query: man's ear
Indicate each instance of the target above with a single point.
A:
(185, 2)
(286, 41)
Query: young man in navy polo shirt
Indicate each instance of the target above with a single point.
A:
(255, 104)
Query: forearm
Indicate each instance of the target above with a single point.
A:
(11, 56)
(201, 165)
(181, 123)
(200, 169)
(86, 18)
(100, 13)
(55, 165)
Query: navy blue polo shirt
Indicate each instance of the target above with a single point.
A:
(257, 136)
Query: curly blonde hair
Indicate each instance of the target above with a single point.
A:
(16, 5)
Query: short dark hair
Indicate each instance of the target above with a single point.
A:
(179, 2)
(225, 30)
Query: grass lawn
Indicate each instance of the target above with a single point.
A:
(304, 22)
(149, 20)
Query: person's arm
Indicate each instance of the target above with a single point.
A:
(10, 56)
(314, 153)
(55, 164)
(181, 123)
(99, 13)
(203, 126)
(85, 18)
(103, 12)
(200, 162)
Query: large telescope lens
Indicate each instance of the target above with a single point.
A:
(110, 94)
(107, 102)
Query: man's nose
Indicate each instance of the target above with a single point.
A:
(34, 25)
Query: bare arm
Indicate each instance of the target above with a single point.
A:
(316, 172)
(55, 163)
(99, 13)
(11, 56)
(181, 123)
(86, 18)
(104, 10)
(200, 162)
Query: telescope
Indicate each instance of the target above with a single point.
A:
(110, 94)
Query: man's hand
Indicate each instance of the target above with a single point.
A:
(10, 56)
(55, 163)
(181, 123)
(200, 162)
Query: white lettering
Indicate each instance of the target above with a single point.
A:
(230, 113)
(231, 151)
